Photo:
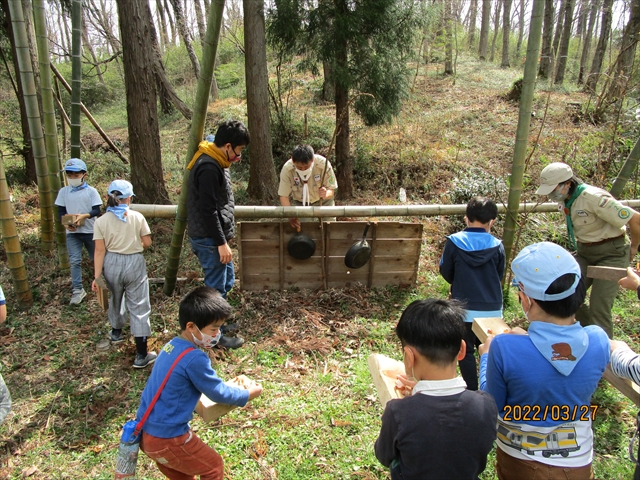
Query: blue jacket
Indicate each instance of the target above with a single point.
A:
(191, 377)
(473, 263)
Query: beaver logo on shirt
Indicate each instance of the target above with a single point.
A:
(562, 351)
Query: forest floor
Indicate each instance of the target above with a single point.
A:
(319, 415)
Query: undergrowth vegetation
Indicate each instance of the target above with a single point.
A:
(319, 415)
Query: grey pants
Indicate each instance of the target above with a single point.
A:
(128, 274)
(603, 292)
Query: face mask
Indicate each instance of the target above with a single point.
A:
(207, 340)
(75, 182)
(526, 313)
(557, 195)
(305, 174)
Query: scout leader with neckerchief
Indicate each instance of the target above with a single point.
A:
(596, 226)
(307, 178)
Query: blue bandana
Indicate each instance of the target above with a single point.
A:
(81, 187)
(563, 346)
(120, 211)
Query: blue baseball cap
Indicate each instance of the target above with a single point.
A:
(538, 265)
(75, 165)
(125, 188)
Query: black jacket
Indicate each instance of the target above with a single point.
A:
(210, 202)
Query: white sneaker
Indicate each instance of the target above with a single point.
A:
(77, 297)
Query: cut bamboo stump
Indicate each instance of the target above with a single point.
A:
(210, 410)
(384, 371)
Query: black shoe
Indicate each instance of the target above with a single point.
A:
(230, 327)
(231, 342)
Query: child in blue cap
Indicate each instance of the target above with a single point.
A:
(121, 235)
(542, 381)
(78, 198)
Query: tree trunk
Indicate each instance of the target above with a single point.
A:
(546, 55)
(144, 138)
(506, 30)
(170, 20)
(186, 36)
(520, 29)
(262, 174)
(199, 20)
(558, 32)
(87, 44)
(448, 48)
(162, 24)
(328, 85)
(473, 15)
(630, 165)
(601, 48)
(76, 75)
(26, 151)
(64, 40)
(586, 44)
(496, 28)
(11, 243)
(581, 15)
(35, 126)
(344, 162)
(563, 53)
(522, 132)
(196, 132)
(50, 129)
(624, 66)
(484, 29)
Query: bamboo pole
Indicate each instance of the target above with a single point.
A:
(249, 212)
(89, 117)
(50, 129)
(35, 127)
(12, 245)
(209, 50)
(76, 75)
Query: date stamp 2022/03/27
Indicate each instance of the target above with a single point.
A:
(556, 413)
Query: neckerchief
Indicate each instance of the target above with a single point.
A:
(581, 187)
(81, 187)
(305, 176)
(208, 148)
(120, 211)
(562, 345)
(440, 388)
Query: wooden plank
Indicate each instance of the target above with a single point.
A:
(240, 256)
(481, 327)
(102, 294)
(256, 247)
(210, 411)
(328, 246)
(349, 231)
(263, 265)
(372, 261)
(396, 230)
(417, 256)
(384, 371)
(71, 219)
(606, 273)
(380, 265)
(384, 246)
(281, 256)
(259, 230)
(628, 388)
(255, 282)
(392, 278)
(348, 279)
(310, 266)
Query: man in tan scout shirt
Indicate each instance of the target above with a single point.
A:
(301, 178)
(597, 221)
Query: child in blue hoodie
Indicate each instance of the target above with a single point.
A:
(473, 263)
(167, 437)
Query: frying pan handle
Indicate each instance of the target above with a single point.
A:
(366, 229)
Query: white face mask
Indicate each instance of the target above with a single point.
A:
(75, 182)
(526, 313)
(306, 174)
(207, 341)
(558, 195)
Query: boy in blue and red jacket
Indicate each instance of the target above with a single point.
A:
(473, 262)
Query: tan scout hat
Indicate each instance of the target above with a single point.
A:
(552, 175)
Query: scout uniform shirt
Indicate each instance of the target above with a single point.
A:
(291, 184)
(597, 216)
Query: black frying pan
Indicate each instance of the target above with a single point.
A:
(359, 253)
(300, 246)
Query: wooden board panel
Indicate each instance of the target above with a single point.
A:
(385, 246)
(210, 411)
(384, 371)
(383, 264)
(626, 387)
(392, 278)
(102, 294)
(264, 265)
(268, 282)
(350, 231)
(255, 247)
(398, 230)
(481, 327)
(259, 230)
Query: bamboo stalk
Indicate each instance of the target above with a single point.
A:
(76, 75)
(11, 243)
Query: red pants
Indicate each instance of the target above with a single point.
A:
(183, 457)
(511, 468)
